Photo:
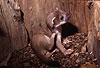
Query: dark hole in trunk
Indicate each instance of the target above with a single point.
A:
(2, 33)
(68, 29)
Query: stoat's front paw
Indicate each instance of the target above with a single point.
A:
(66, 41)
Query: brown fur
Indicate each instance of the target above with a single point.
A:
(43, 43)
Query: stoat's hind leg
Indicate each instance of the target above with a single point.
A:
(49, 54)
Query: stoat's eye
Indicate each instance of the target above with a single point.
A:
(61, 18)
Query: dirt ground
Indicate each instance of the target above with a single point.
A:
(79, 58)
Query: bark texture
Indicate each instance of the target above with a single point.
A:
(13, 35)
(94, 30)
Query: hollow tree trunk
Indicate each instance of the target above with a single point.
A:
(35, 12)
(82, 16)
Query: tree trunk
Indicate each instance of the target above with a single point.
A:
(94, 30)
(14, 34)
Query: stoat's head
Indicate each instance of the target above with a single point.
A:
(57, 18)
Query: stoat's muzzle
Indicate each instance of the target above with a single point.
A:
(65, 20)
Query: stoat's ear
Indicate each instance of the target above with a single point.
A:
(57, 8)
(52, 21)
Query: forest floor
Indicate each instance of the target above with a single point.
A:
(80, 58)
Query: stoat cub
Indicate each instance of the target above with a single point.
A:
(43, 44)
(55, 20)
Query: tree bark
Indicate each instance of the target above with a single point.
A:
(13, 35)
(94, 31)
